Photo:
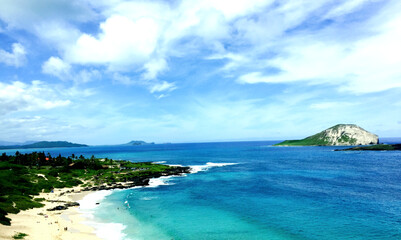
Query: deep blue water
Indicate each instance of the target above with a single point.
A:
(271, 193)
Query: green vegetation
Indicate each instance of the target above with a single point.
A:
(24, 176)
(346, 139)
(317, 139)
(45, 144)
(20, 235)
(379, 147)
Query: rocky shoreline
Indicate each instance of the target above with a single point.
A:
(130, 182)
(379, 147)
(139, 181)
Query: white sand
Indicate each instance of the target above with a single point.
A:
(51, 225)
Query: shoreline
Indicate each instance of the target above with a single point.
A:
(72, 223)
(39, 223)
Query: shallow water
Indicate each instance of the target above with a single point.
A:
(269, 193)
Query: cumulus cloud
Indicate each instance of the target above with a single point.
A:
(136, 35)
(63, 70)
(57, 67)
(123, 42)
(15, 58)
(19, 96)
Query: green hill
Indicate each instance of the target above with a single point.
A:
(314, 140)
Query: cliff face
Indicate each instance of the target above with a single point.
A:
(338, 135)
(349, 134)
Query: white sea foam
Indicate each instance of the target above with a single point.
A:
(199, 168)
(175, 165)
(159, 162)
(106, 231)
(164, 162)
(148, 198)
(155, 182)
(109, 231)
(90, 200)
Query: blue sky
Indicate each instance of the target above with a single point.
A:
(107, 72)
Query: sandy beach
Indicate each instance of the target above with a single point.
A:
(41, 224)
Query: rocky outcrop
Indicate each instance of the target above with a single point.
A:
(338, 135)
(379, 147)
(349, 134)
(136, 181)
(64, 207)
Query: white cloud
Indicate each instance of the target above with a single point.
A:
(330, 105)
(25, 14)
(57, 67)
(58, 34)
(161, 96)
(154, 67)
(346, 7)
(37, 128)
(141, 35)
(19, 96)
(252, 78)
(363, 65)
(63, 70)
(292, 36)
(154, 86)
(234, 60)
(122, 79)
(15, 58)
(162, 87)
(85, 76)
(121, 44)
(51, 21)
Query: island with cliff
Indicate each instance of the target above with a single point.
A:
(338, 135)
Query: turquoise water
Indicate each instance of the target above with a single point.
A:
(270, 193)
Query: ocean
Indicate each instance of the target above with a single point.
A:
(251, 190)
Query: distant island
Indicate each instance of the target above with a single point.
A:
(45, 144)
(135, 142)
(379, 147)
(338, 135)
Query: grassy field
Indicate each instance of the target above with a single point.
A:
(316, 139)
